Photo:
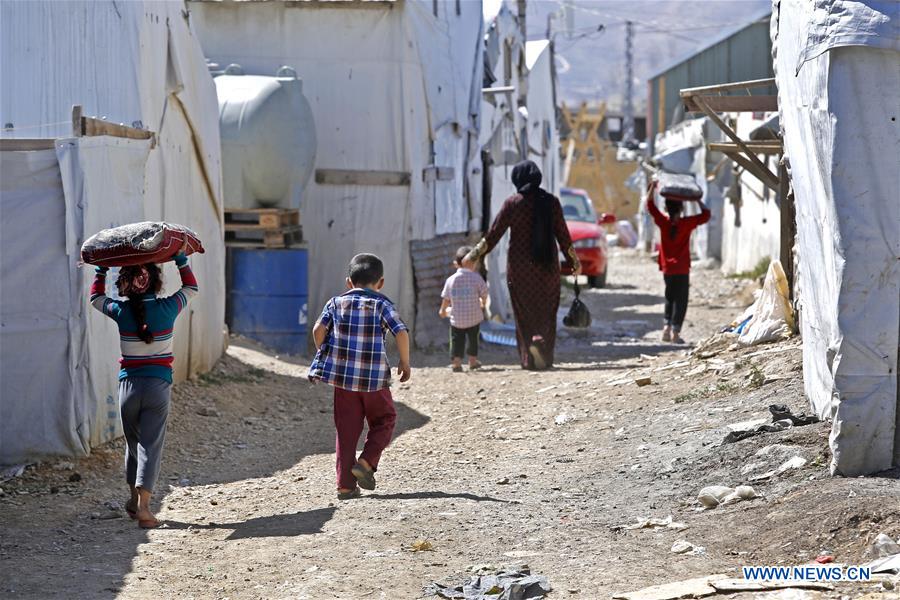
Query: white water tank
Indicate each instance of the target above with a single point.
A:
(268, 138)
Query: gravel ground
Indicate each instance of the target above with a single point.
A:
(496, 467)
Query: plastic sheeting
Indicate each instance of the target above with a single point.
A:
(838, 118)
(136, 63)
(392, 88)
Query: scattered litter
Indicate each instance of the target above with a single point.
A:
(884, 546)
(685, 547)
(782, 418)
(748, 425)
(64, 466)
(421, 546)
(642, 381)
(504, 481)
(770, 317)
(11, 471)
(824, 559)
(206, 411)
(796, 462)
(546, 389)
(888, 564)
(714, 495)
(521, 553)
(716, 344)
(507, 584)
(690, 588)
(563, 418)
(653, 523)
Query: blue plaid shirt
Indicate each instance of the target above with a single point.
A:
(352, 357)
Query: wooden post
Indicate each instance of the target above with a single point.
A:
(788, 226)
(77, 122)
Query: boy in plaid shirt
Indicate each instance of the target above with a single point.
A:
(463, 301)
(350, 356)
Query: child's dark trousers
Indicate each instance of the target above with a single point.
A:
(351, 410)
(677, 291)
(460, 338)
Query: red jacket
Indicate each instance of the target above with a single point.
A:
(675, 252)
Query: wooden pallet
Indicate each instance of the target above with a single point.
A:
(238, 219)
(262, 227)
(284, 237)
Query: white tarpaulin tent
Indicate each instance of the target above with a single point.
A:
(395, 92)
(836, 65)
(136, 63)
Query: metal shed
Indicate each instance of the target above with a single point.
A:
(740, 54)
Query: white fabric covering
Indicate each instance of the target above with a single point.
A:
(129, 62)
(838, 116)
(389, 84)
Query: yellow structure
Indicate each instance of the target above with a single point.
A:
(589, 162)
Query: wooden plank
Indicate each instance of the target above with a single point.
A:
(758, 147)
(77, 121)
(26, 144)
(765, 175)
(734, 103)
(727, 87)
(788, 227)
(262, 218)
(360, 177)
(94, 127)
(761, 168)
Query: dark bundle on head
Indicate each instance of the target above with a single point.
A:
(133, 283)
(527, 177)
(461, 253)
(365, 270)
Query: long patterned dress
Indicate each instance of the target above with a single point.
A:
(533, 288)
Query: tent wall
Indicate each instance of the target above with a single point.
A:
(751, 223)
(839, 89)
(543, 133)
(390, 85)
(136, 63)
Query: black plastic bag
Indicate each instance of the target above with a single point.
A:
(578, 315)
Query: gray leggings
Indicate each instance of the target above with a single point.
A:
(144, 402)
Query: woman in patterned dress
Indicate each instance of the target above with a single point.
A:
(535, 220)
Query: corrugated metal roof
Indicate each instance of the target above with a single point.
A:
(765, 13)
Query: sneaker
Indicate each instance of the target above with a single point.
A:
(667, 334)
(364, 477)
(676, 338)
(475, 366)
(456, 368)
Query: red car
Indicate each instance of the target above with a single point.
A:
(588, 235)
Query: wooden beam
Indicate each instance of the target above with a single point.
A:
(727, 87)
(77, 121)
(756, 146)
(765, 175)
(761, 168)
(26, 144)
(788, 227)
(361, 177)
(94, 127)
(733, 103)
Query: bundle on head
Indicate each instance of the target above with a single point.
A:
(526, 176)
(133, 283)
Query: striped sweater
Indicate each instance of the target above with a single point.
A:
(140, 359)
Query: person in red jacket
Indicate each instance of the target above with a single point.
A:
(675, 257)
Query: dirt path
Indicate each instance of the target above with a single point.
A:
(501, 467)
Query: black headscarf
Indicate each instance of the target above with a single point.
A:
(526, 176)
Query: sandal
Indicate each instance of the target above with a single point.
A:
(132, 512)
(475, 367)
(456, 368)
(365, 477)
(354, 493)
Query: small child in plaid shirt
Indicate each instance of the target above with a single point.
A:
(463, 298)
(350, 356)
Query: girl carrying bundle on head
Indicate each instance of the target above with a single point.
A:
(675, 257)
(145, 332)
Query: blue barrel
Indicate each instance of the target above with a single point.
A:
(267, 297)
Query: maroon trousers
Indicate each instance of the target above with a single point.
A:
(351, 410)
